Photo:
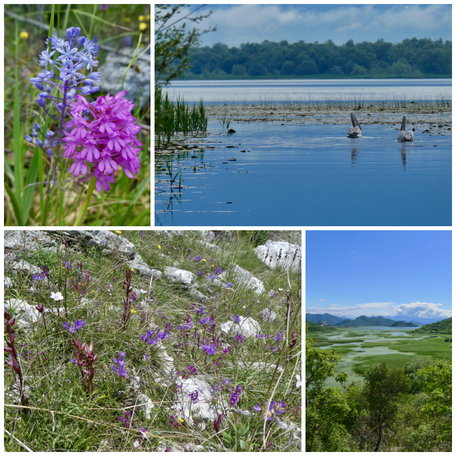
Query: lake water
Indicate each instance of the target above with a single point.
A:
(313, 90)
(307, 175)
(369, 334)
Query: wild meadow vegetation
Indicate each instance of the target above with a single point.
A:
(53, 51)
(108, 360)
(401, 399)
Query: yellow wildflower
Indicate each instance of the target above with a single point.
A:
(159, 247)
(148, 17)
(212, 266)
(24, 35)
(131, 269)
(118, 232)
(140, 18)
(142, 26)
(133, 311)
(203, 259)
(181, 420)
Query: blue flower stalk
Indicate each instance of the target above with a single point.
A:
(63, 62)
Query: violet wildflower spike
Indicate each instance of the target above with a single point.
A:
(103, 138)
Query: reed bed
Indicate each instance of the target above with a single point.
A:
(176, 117)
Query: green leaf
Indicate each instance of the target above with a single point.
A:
(16, 205)
(29, 191)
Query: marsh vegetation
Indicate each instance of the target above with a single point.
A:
(378, 390)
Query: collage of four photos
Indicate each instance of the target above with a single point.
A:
(155, 267)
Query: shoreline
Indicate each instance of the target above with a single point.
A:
(389, 113)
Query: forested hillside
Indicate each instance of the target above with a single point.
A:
(412, 58)
(392, 410)
(440, 327)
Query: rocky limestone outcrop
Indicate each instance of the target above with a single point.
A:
(280, 255)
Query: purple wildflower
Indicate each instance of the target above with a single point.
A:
(74, 327)
(229, 285)
(106, 142)
(194, 396)
(201, 311)
(125, 420)
(218, 271)
(209, 349)
(279, 337)
(147, 338)
(197, 258)
(200, 273)
(206, 320)
(236, 319)
(275, 408)
(240, 338)
(234, 398)
(120, 370)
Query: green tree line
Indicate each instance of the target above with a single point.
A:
(393, 409)
(412, 58)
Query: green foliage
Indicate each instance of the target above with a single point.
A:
(173, 42)
(313, 327)
(440, 327)
(412, 58)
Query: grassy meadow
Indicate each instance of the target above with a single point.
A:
(150, 338)
(404, 348)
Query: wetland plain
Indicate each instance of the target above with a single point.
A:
(361, 347)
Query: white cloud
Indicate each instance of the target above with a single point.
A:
(255, 23)
(387, 309)
(422, 310)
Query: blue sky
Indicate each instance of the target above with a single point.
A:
(389, 273)
(255, 23)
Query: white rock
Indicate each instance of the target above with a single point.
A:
(29, 240)
(268, 315)
(144, 269)
(248, 280)
(8, 282)
(180, 276)
(194, 293)
(203, 407)
(280, 255)
(247, 327)
(25, 266)
(24, 313)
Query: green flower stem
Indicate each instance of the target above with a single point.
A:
(83, 211)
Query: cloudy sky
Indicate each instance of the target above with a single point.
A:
(255, 23)
(388, 273)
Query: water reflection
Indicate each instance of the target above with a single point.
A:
(308, 162)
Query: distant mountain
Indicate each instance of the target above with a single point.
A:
(404, 324)
(440, 327)
(331, 319)
(372, 321)
(416, 320)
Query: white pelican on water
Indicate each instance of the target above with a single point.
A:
(404, 135)
(355, 131)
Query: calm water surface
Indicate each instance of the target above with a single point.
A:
(374, 335)
(308, 175)
(313, 90)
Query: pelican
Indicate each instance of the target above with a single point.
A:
(404, 135)
(355, 131)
